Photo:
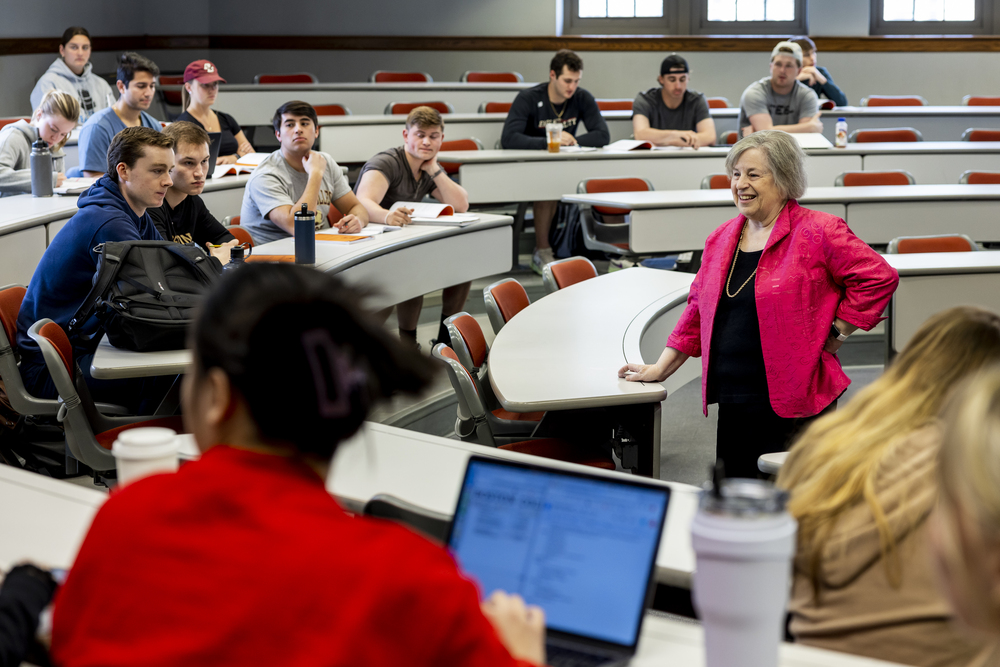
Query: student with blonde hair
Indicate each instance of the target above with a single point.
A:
(52, 122)
(965, 527)
(862, 483)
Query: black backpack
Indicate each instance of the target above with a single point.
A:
(145, 293)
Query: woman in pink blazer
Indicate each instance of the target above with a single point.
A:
(779, 290)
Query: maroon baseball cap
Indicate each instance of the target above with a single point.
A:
(202, 71)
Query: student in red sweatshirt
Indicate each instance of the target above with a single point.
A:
(243, 557)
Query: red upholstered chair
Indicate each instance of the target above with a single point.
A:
(853, 179)
(728, 138)
(89, 434)
(981, 101)
(473, 423)
(607, 231)
(403, 108)
(504, 299)
(495, 107)
(469, 345)
(7, 121)
(241, 234)
(492, 77)
(715, 182)
(171, 97)
(614, 105)
(382, 76)
(331, 110)
(826, 105)
(890, 134)
(471, 144)
(893, 101)
(230, 220)
(717, 102)
(298, 77)
(980, 178)
(973, 134)
(562, 273)
(938, 243)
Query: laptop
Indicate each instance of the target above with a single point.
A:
(214, 144)
(583, 547)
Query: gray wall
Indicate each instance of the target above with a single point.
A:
(943, 78)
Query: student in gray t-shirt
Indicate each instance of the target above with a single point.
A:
(408, 173)
(296, 175)
(672, 115)
(780, 101)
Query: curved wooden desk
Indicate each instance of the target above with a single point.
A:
(561, 354)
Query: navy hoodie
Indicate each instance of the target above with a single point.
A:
(65, 275)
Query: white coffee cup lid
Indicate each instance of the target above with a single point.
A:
(148, 442)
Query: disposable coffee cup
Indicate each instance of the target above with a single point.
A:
(140, 452)
(743, 541)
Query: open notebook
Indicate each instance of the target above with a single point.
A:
(425, 213)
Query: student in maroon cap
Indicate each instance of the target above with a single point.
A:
(201, 87)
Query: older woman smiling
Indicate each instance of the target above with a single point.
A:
(779, 290)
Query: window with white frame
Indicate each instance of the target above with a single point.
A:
(934, 17)
(680, 17)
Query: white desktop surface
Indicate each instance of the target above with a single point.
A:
(564, 351)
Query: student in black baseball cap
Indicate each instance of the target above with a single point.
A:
(672, 115)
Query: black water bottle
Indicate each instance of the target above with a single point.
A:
(236, 258)
(305, 236)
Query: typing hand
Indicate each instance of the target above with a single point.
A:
(314, 163)
(567, 139)
(60, 179)
(349, 224)
(399, 217)
(521, 627)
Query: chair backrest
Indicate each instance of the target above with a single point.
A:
(298, 77)
(974, 134)
(729, 138)
(172, 97)
(470, 144)
(467, 340)
(715, 182)
(592, 186)
(495, 107)
(826, 105)
(562, 273)
(981, 101)
(717, 102)
(492, 77)
(241, 234)
(395, 108)
(24, 403)
(471, 407)
(11, 297)
(893, 101)
(382, 76)
(888, 134)
(7, 121)
(853, 179)
(504, 299)
(331, 110)
(614, 105)
(980, 178)
(937, 243)
(428, 523)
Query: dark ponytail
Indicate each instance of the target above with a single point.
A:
(306, 358)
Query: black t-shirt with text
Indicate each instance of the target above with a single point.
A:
(190, 222)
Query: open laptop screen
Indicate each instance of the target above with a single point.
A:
(581, 547)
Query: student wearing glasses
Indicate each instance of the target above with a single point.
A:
(73, 73)
(201, 87)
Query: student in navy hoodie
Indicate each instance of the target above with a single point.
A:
(113, 209)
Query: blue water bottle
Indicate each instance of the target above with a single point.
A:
(305, 236)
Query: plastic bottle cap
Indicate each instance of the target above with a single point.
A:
(841, 119)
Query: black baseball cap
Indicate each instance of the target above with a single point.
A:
(673, 64)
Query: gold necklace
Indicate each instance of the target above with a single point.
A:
(733, 267)
(558, 114)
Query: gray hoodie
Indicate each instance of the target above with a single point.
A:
(15, 164)
(90, 89)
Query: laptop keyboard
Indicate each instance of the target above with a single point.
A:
(560, 656)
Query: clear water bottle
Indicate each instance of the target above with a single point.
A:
(41, 169)
(841, 140)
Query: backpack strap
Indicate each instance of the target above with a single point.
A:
(111, 255)
(207, 266)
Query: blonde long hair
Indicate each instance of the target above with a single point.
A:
(835, 463)
(58, 103)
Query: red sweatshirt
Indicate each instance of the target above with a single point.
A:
(242, 558)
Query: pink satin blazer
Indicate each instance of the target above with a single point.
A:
(812, 270)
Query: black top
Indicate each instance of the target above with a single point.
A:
(230, 128)
(831, 90)
(190, 222)
(532, 110)
(25, 592)
(692, 110)
(736, 364)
